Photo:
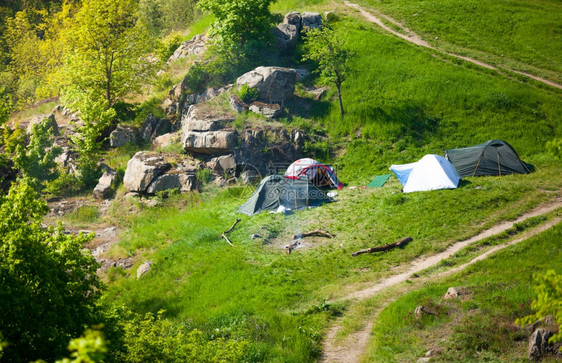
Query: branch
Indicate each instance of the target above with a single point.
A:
(223, 235)
(386, 247)
(318, 233)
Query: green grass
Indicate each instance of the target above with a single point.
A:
(521, 34)
(477, 328)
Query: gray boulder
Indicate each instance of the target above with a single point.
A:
(144, 268)
(222, 164)
(294, 18)
(182, 182)
(274, 84)
(39, 118)
(194, 46)
(210, 142)
(311, 20)
(538, 344)
(142, 169)
(287, 36)
(104, 188)
(199, 118)
(166, 139)
(268, 110)
(123, 135)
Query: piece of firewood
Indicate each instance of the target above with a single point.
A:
(386, 247)
(292, 246)
(318, 233)
(223, 235)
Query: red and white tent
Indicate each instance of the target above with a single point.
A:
(319, 174)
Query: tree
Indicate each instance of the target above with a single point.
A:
(49, 285)
(105, 58)
(325, 47)
(239, 21)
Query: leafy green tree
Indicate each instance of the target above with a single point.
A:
(49, 285)
(36, 160)
(106, 55)
(326, 47)
(548, 301)
(239, 21)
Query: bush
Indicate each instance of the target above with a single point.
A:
(247, 93)
(554, 148)
(64, 186)
(168, 45)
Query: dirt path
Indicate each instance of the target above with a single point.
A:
(353, 347)
(412, 37)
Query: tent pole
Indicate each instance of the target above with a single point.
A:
(477, 164)
(499, 167)
(296, 207)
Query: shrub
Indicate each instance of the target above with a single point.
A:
(554, 148)
(247, 93)
(168, 45)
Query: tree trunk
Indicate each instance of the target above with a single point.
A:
(338, 86)
(109, 74)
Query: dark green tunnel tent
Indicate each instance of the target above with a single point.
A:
(494, 157)
(276, 190)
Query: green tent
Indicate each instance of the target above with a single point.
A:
(276, 190)
(494, 157)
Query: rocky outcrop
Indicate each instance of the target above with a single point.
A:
(538, 344)
(154, 127)
(274, 84)
(203, 133)
(311, 20)
(142, 169)
(287, 36)
(123, 135)
(293, 18)
(194, 46)
(268, 110)
(199, 118)
(68, 158)
(150, 172)
(180, 99)
(222, 164)
(104, 188)
(39, 118)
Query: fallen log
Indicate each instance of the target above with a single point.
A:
(223, 235)
(386, 247)
(292, 246)
(318, 233)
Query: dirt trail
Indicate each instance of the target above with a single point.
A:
(355, 344)
(412, 37)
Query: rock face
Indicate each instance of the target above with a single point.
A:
(287, 36)
(178, 102)
(195, 46)
(142, 169)
(311, 20)
(294, 18)
(222, 164)
(104, 188)
(199, 118)
(150, 172)
(538, 344)
(39, 118)
(268, 110)
(144, 268)
(274, 84)
(154, 127)
(202, 132)
(123, 135)
(237, 104)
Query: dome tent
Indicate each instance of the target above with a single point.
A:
(318, 173)
(494, 157)
(431, 172)
(276, 190)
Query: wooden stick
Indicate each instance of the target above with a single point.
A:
(318, 233)
(386, 247)
(292, 246)
(223, 235)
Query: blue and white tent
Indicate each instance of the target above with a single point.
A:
(431, 172)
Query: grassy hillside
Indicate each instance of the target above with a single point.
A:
(478, 327)
(521, 34)
(402, 102)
